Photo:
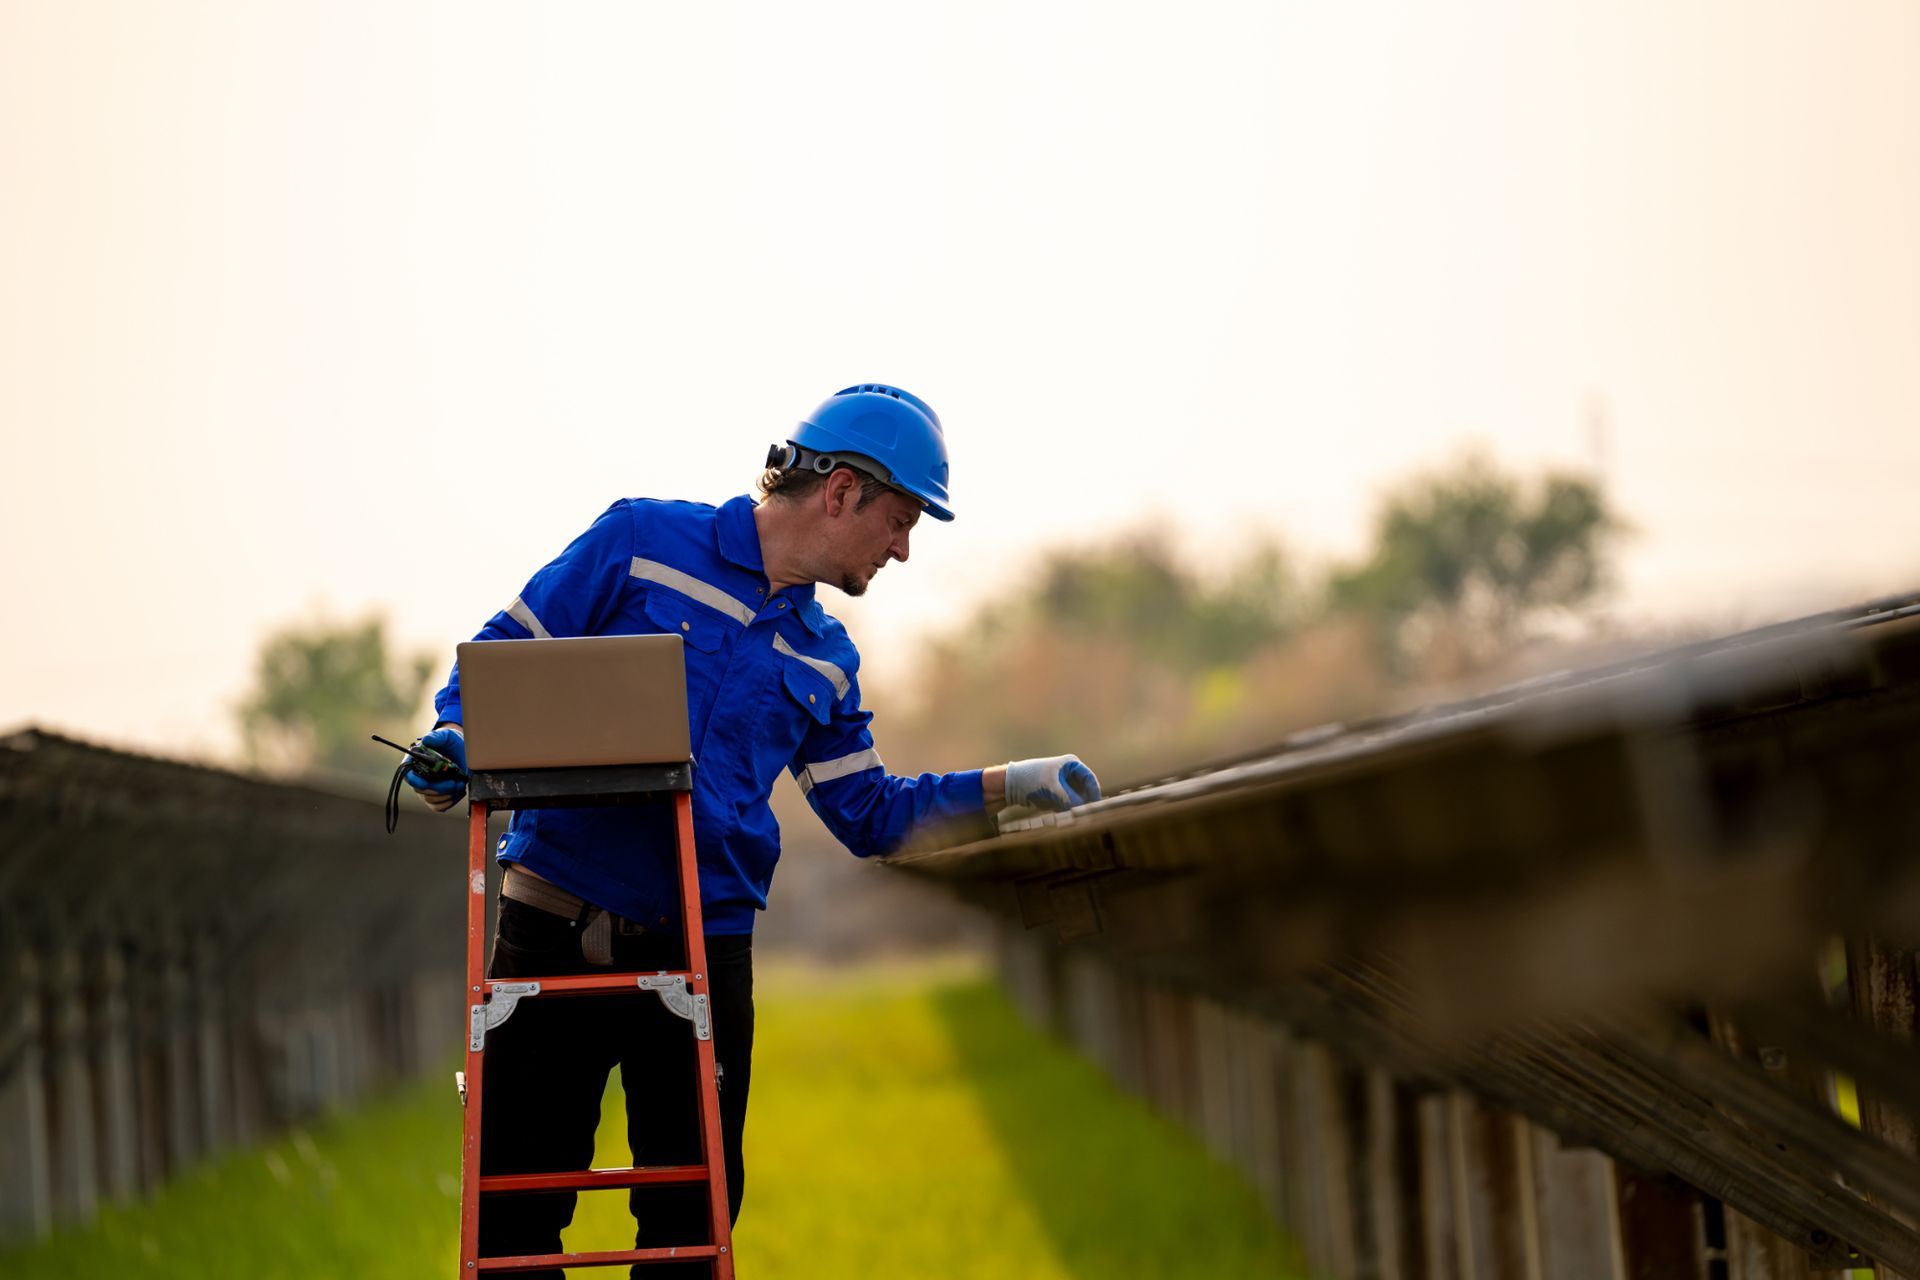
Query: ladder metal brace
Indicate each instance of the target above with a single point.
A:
(673, 992)
(485, 1016)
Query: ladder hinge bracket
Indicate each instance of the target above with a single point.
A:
(680, 1002)
(485, 1016)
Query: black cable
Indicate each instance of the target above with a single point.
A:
(430, 764)
(393, 795)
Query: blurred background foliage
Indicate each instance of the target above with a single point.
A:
(1465, 561)
(320, 688)
(1145, 662)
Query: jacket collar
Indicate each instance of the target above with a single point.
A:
(739, 538)
(811, 615)
(739, 541)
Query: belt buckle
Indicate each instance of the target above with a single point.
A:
(628, 928)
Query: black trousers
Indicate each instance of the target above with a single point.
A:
(546, 1070)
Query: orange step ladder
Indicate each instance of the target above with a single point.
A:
(684, 992)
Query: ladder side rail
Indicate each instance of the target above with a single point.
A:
(713, 1152)
(476, 978)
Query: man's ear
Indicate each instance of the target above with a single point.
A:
(839, 490)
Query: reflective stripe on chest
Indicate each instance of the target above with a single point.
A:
(723, 602)
(693, 588)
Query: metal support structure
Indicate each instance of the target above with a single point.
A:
(112, 1039)
(75, 1150)
(176, 1027)
(26, 1176)
(229, 978)
(1570, 882)
(1886, 997)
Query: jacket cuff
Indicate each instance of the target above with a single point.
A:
(968, 791)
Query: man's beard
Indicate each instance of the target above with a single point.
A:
(854, 586)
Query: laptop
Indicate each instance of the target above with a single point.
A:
(592, 700)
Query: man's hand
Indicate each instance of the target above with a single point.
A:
(442, 794)
(1053, 783)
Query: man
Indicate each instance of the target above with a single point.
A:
(772, 683)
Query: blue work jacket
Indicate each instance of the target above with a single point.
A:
(772, 683)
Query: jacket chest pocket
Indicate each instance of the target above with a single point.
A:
(798, 701)
(807, 689)
(693, 623)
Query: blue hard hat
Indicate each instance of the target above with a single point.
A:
(899, 432)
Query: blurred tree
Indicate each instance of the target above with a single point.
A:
(321, 688)
(1141, 661)
(1127, 646)
(1138, 589)
(1465, 559)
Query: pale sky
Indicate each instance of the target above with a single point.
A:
(353, 306)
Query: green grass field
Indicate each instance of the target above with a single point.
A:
(905, 1125)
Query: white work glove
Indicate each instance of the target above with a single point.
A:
(1054, 783)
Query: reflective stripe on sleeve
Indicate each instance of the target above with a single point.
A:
(813, 775)
(688, 585)
(825, 668)
(519, 612)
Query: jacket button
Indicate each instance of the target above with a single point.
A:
(685, 627)
(783, 604)
(811, 698)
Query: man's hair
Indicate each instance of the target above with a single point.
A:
(795, 483)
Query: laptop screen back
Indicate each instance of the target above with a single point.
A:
(593, 700)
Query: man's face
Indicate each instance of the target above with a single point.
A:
(869, 538)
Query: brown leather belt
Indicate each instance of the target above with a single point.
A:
(597, 925)
(524, 887)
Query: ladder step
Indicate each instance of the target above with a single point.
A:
(612, 1258)
(588, 983)
(593, 1179)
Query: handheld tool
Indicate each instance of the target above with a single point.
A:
(425, 761)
